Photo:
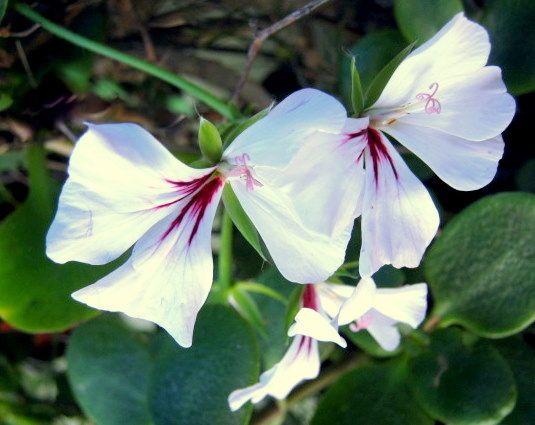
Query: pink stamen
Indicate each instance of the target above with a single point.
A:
(244, 171)
(362, 323)
(432, 105)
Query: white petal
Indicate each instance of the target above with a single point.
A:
(310, 323)
(399, 219)
(169, 275)
(407, 304)
(474, 107)
(325, 179)
(459, 48)
(384, 331)
(119, 175)
(273, 140)
(332, 296)
(301, 254)
(301, 362)
(359, 303)
(463, 164)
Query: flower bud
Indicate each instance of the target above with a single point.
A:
(210, 141)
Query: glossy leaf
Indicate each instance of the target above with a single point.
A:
(370, 395)
(419, 20)
(461, 385)
(510, 26)
(481, 268)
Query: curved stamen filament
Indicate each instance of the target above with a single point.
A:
(244, 171)
(432, 105)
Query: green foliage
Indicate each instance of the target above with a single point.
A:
(241, 220)
(357, 97)
(372, 52)
(481, 268)
(37, 298)
(521, 359)
(117, 373)
(3, 8)
(210, 141)
(371, 395)
(419, 20)
(462, 385)
(510, 26)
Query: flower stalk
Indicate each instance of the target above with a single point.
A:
(225, 253)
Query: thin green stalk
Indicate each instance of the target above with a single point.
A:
(227, 110)
(225, 253)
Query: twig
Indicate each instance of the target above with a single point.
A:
(325, 379)
(150, 51)
(261, 36)
(25, 64)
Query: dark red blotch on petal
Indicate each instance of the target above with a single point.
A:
(196, 207)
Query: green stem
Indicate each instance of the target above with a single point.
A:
(224, 108)
(225, 253)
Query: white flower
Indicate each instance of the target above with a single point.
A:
(301, 361)
(376, 310)
(124, 188)
(444, 105)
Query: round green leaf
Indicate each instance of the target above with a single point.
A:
(195, 382)
(117, 373)
(370, 395)
(510, 26)
(419, 20)
(481, 268)
(525, 177)
(461, 385)
(521, 359)
(108, 368)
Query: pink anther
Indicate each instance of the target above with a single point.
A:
(432, 105)
(244, 171)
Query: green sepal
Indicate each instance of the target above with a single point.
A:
(357, 96)
(241, 220)
(293, 305)
(381, 80)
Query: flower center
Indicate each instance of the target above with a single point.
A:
(310, 298)
(244, 172)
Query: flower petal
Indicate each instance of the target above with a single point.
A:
(325, 179)
(459, 48)
(169, 275)
(474, 107)
(463, 164)
(399, 218)
(407, 304)
(300, 253)
(359, 303)
(273, 140)
(384, 331)
(118, 177)
(310, 323)
(332, 296)
(300, 362)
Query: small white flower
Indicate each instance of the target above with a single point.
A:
(443, 104)
(301, 361)
(376, 310)
(124, 188)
